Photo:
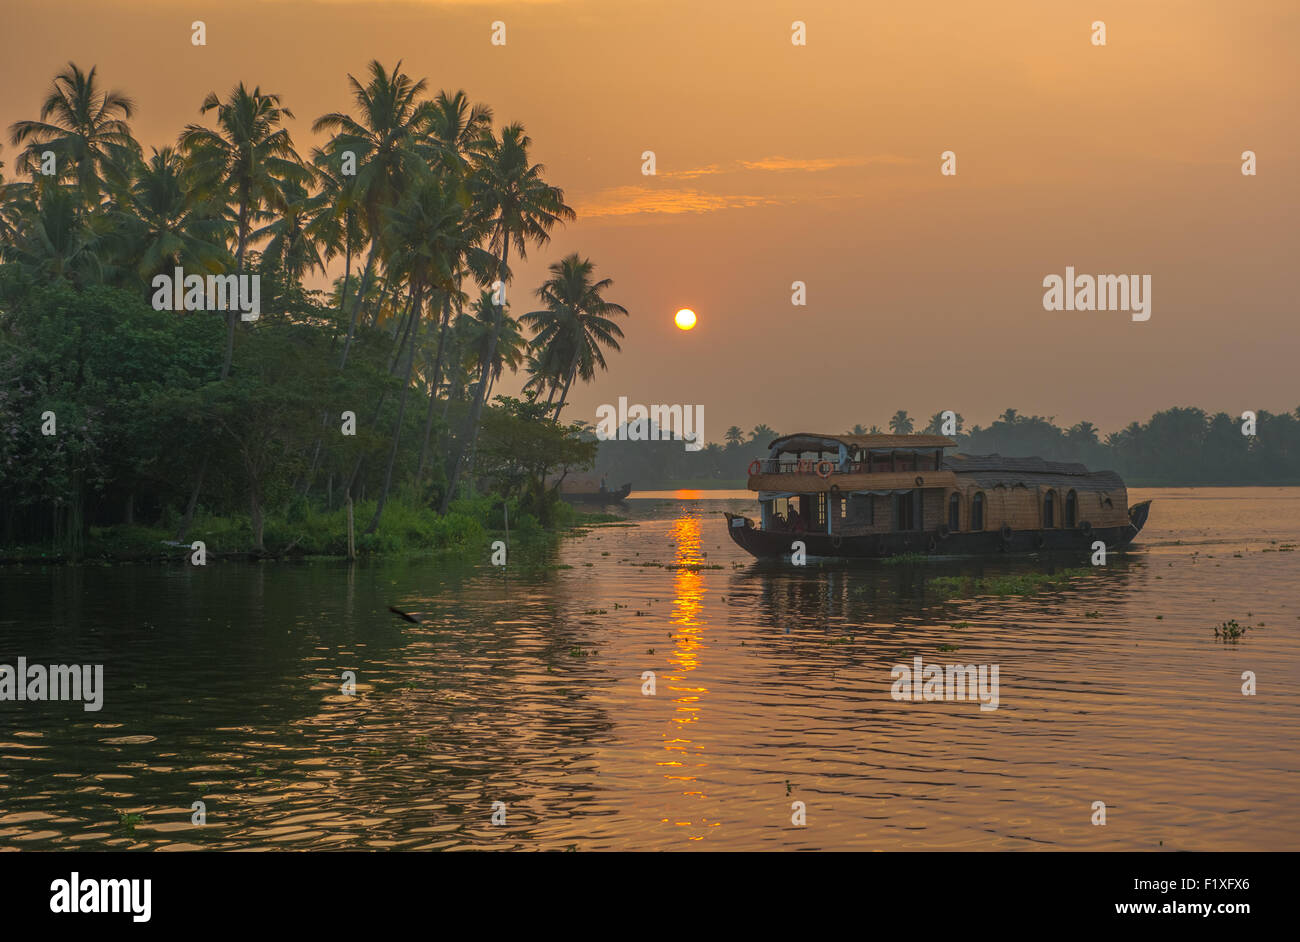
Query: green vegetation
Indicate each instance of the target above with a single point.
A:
(1010, 584)
(1229, 632)
(126, 423)
(904, 558)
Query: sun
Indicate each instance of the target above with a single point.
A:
(685, 318)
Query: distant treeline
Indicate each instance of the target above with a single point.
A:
(1179, 446)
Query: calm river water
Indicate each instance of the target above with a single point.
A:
(524, 686)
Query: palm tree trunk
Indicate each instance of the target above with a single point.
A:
(433, 385)
(470, 439)
(565, 395)
(416, 298)
(361, 295)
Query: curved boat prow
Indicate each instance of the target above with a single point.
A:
(1137, 516)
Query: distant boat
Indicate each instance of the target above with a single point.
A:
(597, 496)
(884, 495)
(590, 490)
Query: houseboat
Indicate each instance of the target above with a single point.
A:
(882, 495)
(587, 489)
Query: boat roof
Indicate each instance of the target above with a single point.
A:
(814, 441)
(993, 470)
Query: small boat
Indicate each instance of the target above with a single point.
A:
(587, 490)
(870, 496)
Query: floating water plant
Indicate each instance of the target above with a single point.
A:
(1018, 584)
(1229, 631)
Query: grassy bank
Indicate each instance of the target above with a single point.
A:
(306, 531)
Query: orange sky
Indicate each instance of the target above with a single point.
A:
(821, 163)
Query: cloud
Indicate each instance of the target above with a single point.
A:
(817, 164)
(641, 200)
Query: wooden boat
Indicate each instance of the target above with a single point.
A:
(883, 495)
(589, 490)
(597, 496)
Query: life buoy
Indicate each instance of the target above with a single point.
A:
(829, 466)
(755, 467)
(1006, 533)
(1085, 528)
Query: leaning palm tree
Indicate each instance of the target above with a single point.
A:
(86, 129)
(384, 141)
(247, 160)
(577, 318)
(519, 208)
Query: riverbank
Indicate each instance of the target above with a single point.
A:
(303, 531)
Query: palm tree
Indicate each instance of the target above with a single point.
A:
(454, 131)
(291, 247)
(248, 159)
(576, 319)
(901, 423)
(54, 240)
(936, 423)
(166, 224)
(518, 207)
(429, 244)
(385, 141)
(762, 434)
(735, 436)
(511, 343)
(86, 129)
(336, 223)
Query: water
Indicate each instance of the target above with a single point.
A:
(773, 686)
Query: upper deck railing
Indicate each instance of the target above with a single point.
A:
(827, 466)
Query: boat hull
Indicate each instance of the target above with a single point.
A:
(769, 544)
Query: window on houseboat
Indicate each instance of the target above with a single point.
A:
(1049, 509)
(821, 510)
(954, 513)
(977, 512)
(1071, 509)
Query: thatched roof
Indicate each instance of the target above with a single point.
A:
(813, 441)
(993, 470)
